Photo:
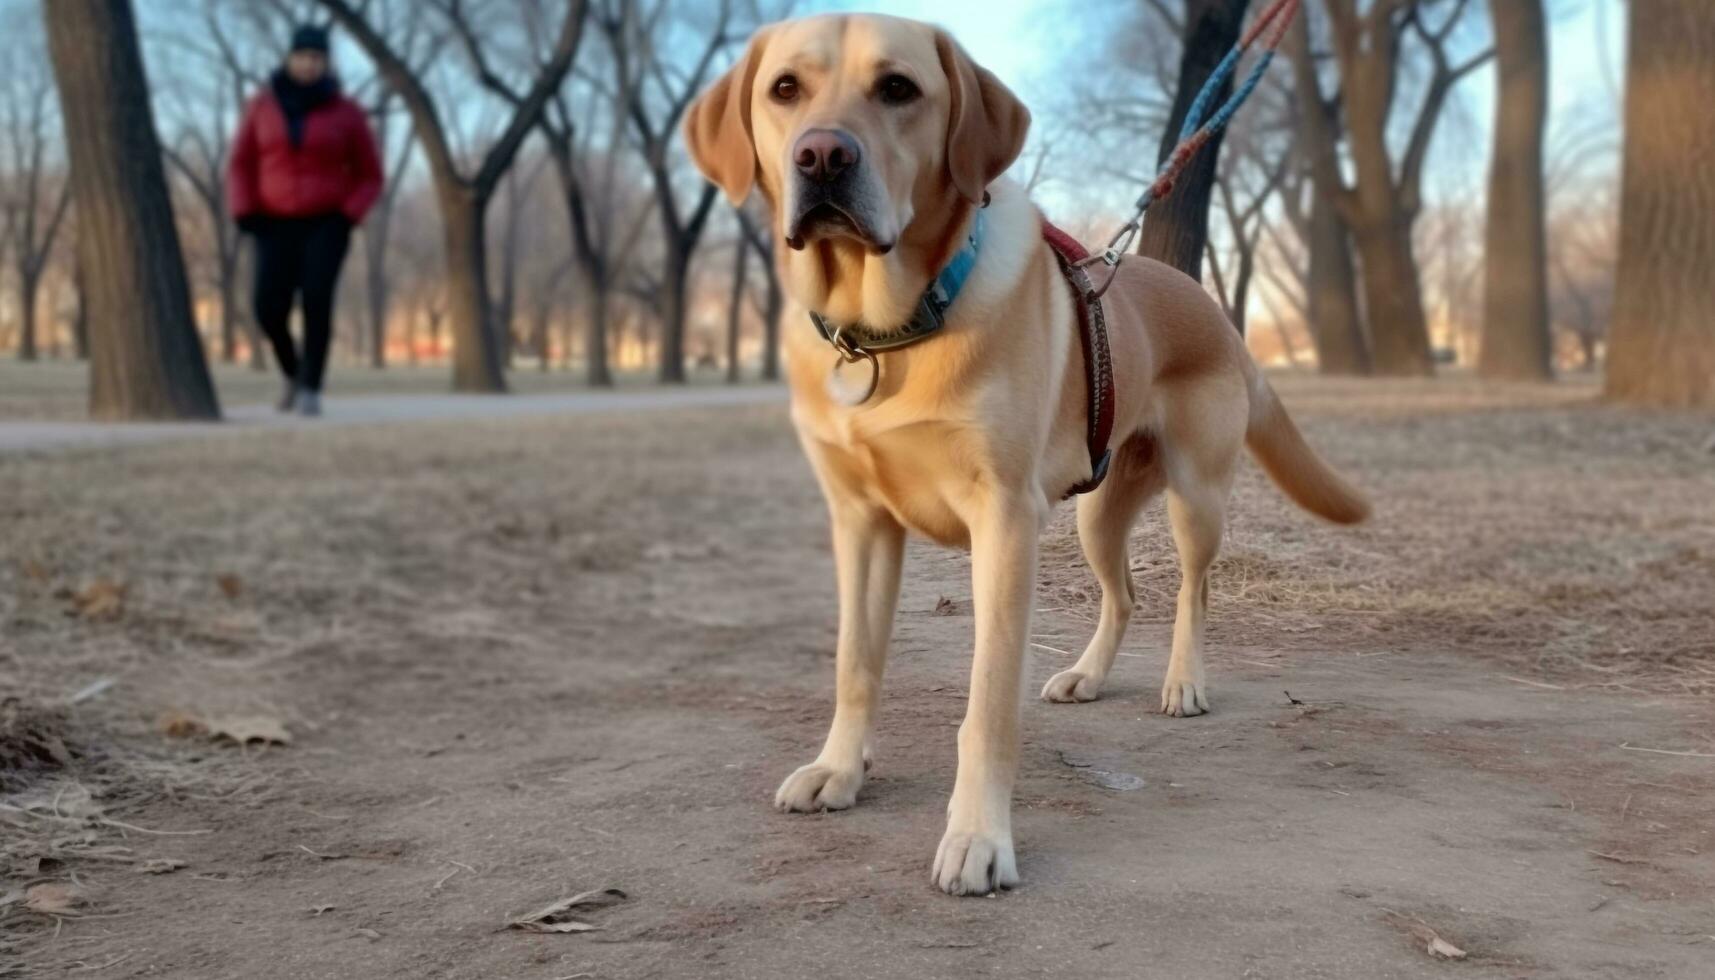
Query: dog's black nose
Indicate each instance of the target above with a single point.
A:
(822, 155)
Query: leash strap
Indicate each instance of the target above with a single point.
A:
(1098, 359)
(1200, 125)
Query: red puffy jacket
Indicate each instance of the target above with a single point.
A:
(335, 168)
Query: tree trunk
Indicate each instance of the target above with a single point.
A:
(1335, 326)
(1393, 298)
(771, 308)
(244, 271)
(1661, 348)
(595, 339)
(735, 307)
(539, 336)
(146, 359)
(1178, 226)
(27, 286)
(675, 284)
(80, 320)
(226, 272)
(1516, 343)
(375, 286)
(476, 356)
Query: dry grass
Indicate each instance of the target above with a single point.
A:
(1523, 523)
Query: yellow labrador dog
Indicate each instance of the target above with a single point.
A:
(879, 146)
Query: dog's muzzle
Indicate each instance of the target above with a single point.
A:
(832, 194)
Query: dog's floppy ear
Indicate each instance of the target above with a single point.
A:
(986, 126)
(717, 128)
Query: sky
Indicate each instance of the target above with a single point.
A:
(1032, 44)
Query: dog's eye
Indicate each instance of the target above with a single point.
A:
(897, 90)
(785, 88)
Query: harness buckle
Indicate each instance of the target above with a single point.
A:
(1111, 257)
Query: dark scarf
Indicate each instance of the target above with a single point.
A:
(297, 101)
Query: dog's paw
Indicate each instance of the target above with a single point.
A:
(974, 862)
(819, 786)
(1070, 686)
(1182, 698)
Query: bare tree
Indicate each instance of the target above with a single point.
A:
(1516, 343)
(516, 201)
(35, 195)
(212, 91)
(736, 304)
(655, 95)
(772, 299)
(1331, 304)
(1384, 201)
(603, 240)
(464, 197)
(1178, 226)
(146, 359)
(1662, 346)
(1246, 181)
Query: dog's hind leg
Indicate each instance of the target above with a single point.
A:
(1105, 518)
(1196, 508)
(869, 546)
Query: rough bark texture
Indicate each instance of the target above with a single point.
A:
(1331, 284)
(1516, 342)
(1177, 227)
(1336, 328)
(1381, 205)
(476, 355)
(1662, 343)
(146, 359)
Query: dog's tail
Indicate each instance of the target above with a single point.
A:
(1293, 465)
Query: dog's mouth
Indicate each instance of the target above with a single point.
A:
(827, 218)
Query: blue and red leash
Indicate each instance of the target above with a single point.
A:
(1201, 125)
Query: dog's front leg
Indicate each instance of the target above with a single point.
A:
(976, 856)
(868, 548)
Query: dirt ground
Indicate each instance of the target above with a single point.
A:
(53, 390)
(519, 660)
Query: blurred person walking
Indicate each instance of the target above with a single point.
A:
(304, 172)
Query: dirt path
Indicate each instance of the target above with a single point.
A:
(36, 434)
(529, 658)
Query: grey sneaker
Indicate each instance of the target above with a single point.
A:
(309, 403)
(289, 398)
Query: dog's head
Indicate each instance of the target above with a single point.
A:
(853, 126)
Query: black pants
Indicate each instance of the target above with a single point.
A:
(299, 256)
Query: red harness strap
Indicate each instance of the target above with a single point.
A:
(1098, 361)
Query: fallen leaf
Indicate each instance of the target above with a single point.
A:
(317, 910)
(242, 729)
(555, 917)
(245, 729)
(1432, 942)
(53, 898)
(231, 585)
(177, 724)
(160, 866)
(369, 934)
(946, 607)
(102, 599)
(1443, 948)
